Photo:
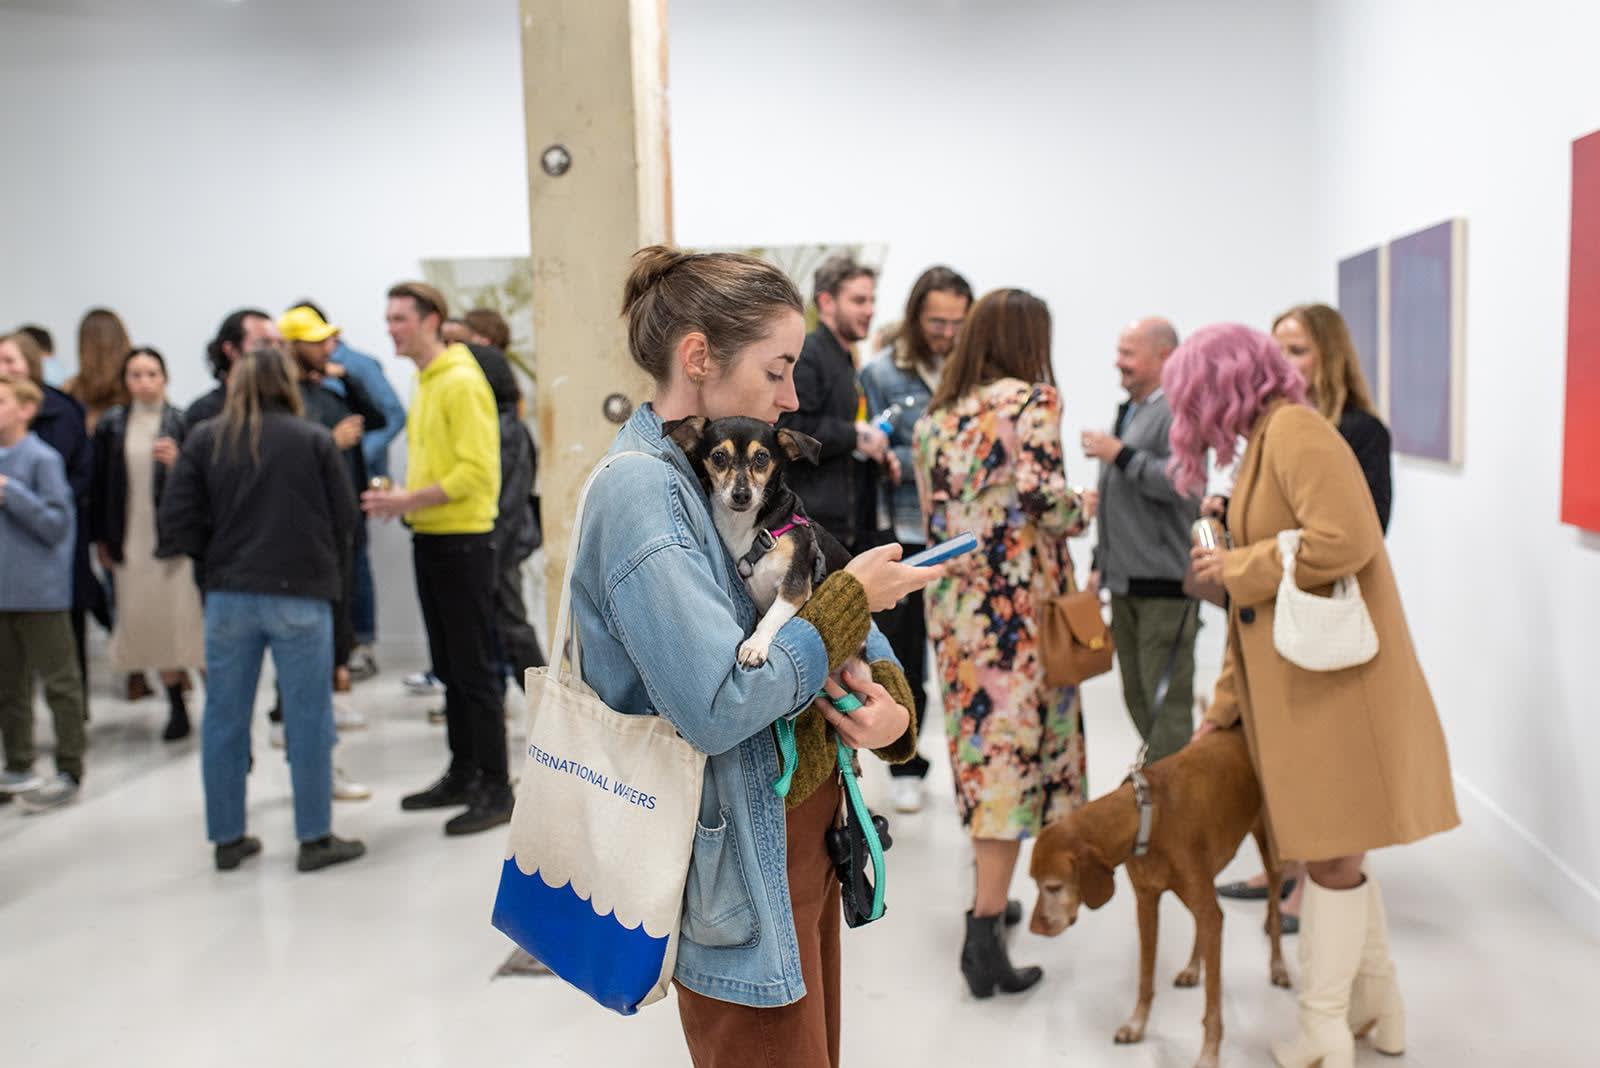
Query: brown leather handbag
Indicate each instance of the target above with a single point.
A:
(1074, 640)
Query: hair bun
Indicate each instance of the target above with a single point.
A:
(650, 266)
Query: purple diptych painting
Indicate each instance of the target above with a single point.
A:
(1426, 279)
(1360, 289)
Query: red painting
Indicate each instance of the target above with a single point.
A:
(1580, 477)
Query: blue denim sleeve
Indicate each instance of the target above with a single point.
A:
(682, 633)
(878, 648)
(375, 443)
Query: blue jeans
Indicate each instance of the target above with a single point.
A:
(364, 602)
(240, 627)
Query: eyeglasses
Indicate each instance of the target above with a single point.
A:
(942, 326)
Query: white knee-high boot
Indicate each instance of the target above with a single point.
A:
(1375, 1003)
(1333, 926)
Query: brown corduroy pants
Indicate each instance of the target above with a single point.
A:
(806, 1033)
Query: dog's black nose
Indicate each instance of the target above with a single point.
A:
(741, 497)
(1247, 615)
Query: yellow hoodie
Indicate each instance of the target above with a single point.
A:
(453, 438)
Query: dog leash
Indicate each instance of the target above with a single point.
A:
(845, 757)
(1141, 785)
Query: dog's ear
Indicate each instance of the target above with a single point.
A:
(685, 432)
(1096, 884)
(798, 446)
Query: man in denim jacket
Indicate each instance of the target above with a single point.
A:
(898, 384)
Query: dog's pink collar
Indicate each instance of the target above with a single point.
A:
(794, 521)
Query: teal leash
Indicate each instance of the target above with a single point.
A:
(789, 760)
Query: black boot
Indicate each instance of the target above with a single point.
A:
(177, 715)
(985, 963)
(491, 806)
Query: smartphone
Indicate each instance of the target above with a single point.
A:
(938, 554)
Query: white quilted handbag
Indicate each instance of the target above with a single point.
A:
(1320, 633)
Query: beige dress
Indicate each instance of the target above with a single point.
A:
(159, 623)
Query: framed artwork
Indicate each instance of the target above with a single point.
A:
(1426, 342)
(1363, 297)
(1580, 462)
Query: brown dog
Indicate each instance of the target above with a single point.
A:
(1205, 800)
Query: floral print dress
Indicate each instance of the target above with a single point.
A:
(991, 464)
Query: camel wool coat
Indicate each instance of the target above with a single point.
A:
(1348, 760)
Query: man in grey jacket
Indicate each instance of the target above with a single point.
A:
(1143, 549)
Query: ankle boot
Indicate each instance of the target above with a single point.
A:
(1333, 925)
(1375, 1004)
(177, 715)
(985, 962)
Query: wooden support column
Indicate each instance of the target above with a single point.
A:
(599, 187)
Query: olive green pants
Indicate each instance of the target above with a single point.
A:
(40, 644)
(1144, 629)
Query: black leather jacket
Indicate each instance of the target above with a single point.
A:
(108, 497)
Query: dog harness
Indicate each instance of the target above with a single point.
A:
(767, 540)
(1143, 801)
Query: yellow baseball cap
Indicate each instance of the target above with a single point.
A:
(304, 324)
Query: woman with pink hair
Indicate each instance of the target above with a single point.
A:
(1349, 760)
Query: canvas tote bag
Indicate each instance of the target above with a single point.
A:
(1320, 633)
(602, 832)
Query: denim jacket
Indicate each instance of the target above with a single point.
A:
(661, 612)
(886, 383)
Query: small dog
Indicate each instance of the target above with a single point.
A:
(782, 555)
(1205, 799)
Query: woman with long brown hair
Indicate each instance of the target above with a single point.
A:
(261, 497)
(102, 343)
(989, 462)
(158, 622)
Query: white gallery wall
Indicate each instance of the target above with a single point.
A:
(1204, 160)
(177, 159)
(1427, 111)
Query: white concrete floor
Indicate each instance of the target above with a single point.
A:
(121, 944)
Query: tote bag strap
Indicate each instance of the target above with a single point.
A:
(564, 612)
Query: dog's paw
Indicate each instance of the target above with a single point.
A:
(1130, 1033)
(753, 653)
(1280, 975)
(1190, 976)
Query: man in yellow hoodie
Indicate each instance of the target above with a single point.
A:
(450, 500)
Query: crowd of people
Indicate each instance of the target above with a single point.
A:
(200, 537)
(237, 526)
(952, 425)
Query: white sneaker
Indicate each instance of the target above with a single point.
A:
(347, 718)
(906, 792)
(276, 736)
(19, 782)
(347, 789)
(363, 664)
(422, 684)
(58, 791)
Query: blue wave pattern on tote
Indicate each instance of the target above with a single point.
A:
(612, 964)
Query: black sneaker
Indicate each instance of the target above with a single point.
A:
(453, 789)
(490, 808)
(327, 851)
(230, 855)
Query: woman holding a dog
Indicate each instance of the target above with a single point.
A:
(989, 462)
(1349, 760)
(661, 611)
